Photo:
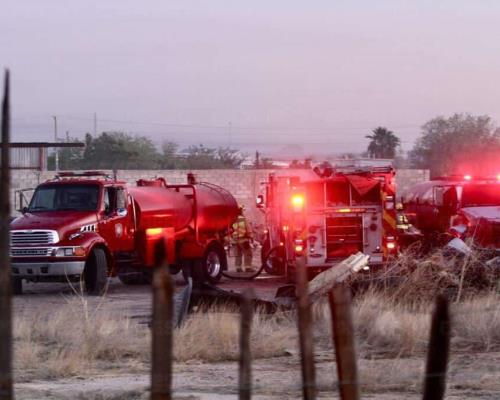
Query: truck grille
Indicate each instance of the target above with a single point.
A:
(33, 237)
(344, 236)
(31, 252)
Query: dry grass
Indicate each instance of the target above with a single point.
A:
(411, 278)
(71, 341)
(75, 340)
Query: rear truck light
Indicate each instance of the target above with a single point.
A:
(69, 252)
(286, 228)
(467, 177)
(498, 177)
(390, 242)
(299, 246)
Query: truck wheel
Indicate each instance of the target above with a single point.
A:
(95, 273)
(17, 286)
(274, 261)
(214, 263)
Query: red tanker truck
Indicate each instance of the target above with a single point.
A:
(88, 226)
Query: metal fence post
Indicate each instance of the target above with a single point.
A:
(6, 391)
(343, 338)
(438, 351)
(245, 378)
(305, 332)
(162, 331)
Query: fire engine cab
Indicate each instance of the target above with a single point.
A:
(326, 215)
(462, 206)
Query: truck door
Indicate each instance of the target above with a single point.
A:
(115, 223)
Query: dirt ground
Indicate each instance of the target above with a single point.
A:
(471, 375)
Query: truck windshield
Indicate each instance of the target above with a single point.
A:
(65, 198)
(481, 195)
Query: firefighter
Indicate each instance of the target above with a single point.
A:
(242, 240)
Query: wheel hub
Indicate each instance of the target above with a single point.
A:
(213, 264)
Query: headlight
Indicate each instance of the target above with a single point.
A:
(70, 252)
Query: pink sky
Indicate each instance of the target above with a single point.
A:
(319, 74)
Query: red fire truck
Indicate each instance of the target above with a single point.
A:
(90, 226)
(328, 214)
(467, 207)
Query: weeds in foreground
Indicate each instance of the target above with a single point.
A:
(69, 342)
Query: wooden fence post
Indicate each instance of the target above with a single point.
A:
(6, 391)
(162, 332)
(305, 332)
(245, 378)
(438, 351)
(343, 338)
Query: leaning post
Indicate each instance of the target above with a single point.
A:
(162, 328)
(6, 390)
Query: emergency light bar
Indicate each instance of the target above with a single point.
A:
(85, 174)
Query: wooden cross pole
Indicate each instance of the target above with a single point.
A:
(343, 338)
(305, 332)
(245, 378)
(438, 351)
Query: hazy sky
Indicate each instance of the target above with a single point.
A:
(317, 73)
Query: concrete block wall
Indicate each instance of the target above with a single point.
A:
(243, 184)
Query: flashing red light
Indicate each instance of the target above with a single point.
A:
(467, 177)
(298, 201)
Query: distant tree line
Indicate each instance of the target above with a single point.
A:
(118, 150)
(462, 143)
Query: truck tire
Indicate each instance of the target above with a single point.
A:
(214, 262)
(17, 286)
(274, 261)
(95, 274)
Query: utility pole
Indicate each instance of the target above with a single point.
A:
(230, 133)
(55, 140)
(95, 124)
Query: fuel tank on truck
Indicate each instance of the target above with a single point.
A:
(208, 207)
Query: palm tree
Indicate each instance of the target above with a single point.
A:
(383, 143)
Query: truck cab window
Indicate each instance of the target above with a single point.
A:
(64, 198)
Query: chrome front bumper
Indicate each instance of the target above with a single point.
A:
(48, 269)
